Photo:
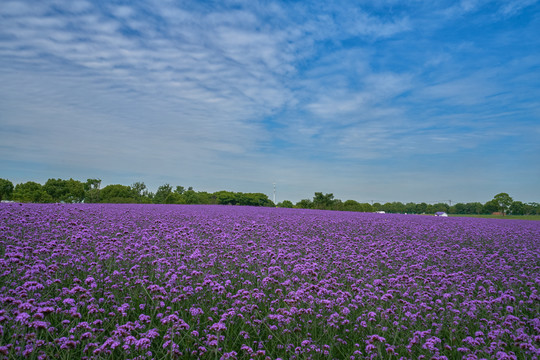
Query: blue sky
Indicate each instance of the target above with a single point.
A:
(369, 100)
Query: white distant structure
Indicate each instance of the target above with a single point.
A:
(274, 197)
(380, 212)
(441, 213)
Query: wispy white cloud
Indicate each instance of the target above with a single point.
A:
(510, 8)
(504, 8)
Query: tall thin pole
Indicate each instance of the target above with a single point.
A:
(274, 198)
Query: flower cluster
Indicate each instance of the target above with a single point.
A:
(95, 281)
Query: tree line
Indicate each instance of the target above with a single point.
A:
(501, 203)
(75, 191)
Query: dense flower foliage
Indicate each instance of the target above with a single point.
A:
(224, 282)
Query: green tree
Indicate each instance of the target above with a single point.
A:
(204, 197)
(438, 207)
(504, 201)
(139, 190)
(285, 204)
(160, 197)
(517, 208)
(91, 190)
(226, 198)
(254, 199)
(92, 184)
(387, 207)
(377, 206)
(117, 194)
(337, 204)
(459, 208)
(474, 208)
(366, 207)
(75, 191)
(304, 204)
(420, 208)
(56, 188)
(352, 205)
(410, 208)
(31, 191)
(6, 189)
(321, 201)
(67, 191)
(490, 207)
(174, 198)
(244, 199)
(532, 208)
(399, 207)
(191, 197)
(395, 207)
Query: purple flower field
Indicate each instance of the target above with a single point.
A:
(223, 282)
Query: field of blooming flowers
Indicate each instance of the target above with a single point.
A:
(222, 282)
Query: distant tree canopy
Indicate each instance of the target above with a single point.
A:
(117, 194)
(6, 189)
(321, 201)
(68, 191)
(504, 201)
(499, 203)
(75, 191)
(304, 204)
(352, 205)
(251, 199)
(490, 207)
(286, 204)
(91, 188)
(31, 192)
